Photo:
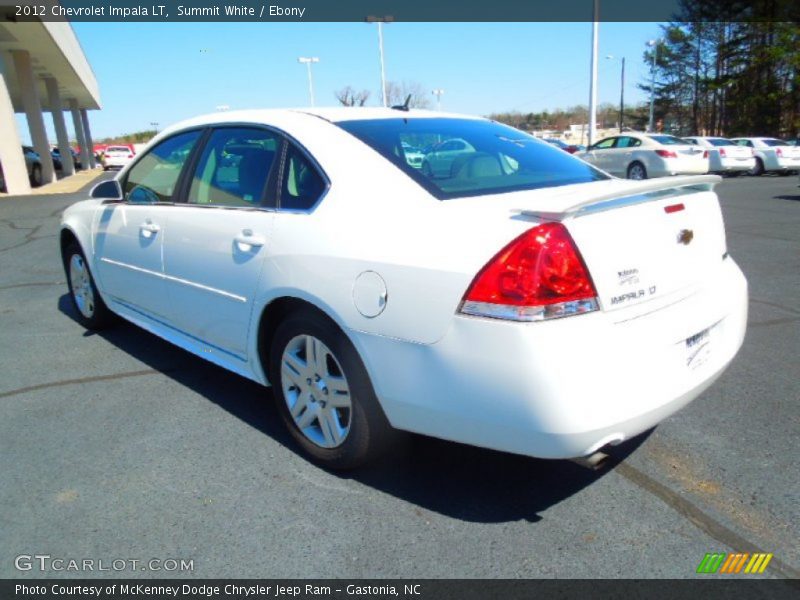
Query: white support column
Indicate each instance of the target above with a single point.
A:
(78, 125)
(56, 108)
(15, 173)
(33, 112)
(87, 134)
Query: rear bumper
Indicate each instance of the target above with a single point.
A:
(788, 164)
(734, 164)
(561, 388)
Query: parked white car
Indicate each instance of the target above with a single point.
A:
(116, 157)
(528, 302)
(643, 155)
(772, 155)
(724, 156)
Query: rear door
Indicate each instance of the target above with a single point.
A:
(219, 238)
(129, 236)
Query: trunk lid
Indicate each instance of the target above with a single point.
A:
(655, 240)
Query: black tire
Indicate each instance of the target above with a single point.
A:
(98, 316)
(758, 169)
(36, 175)
(369, 434)
(426, 170)
(636, 167)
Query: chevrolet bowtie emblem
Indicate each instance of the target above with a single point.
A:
(685, 237)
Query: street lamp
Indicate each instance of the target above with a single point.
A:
(438, 93)
(654, 45)
(307, 60)
(621, 91)
(380, 21)
(154, 125)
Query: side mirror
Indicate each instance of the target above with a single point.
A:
(107, 190)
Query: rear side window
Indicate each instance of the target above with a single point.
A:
(720, 142)
(470, 157)
(154, 177)
(628, 142)
(774, 142)
(301, 184)
(234, 168)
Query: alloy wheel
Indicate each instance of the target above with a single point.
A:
(316, 391)
(81, 283)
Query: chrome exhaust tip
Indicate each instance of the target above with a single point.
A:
(593, 462)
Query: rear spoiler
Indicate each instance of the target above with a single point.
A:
(638, 193)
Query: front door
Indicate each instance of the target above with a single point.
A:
(129, 236)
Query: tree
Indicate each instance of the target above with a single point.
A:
(396, 93)
(347, 96)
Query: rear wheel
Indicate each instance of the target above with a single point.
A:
(637, 171)
(758, 169)
(92, 311)
(324, 393)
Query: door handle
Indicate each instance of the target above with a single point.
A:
(149, 229)
(247, 241)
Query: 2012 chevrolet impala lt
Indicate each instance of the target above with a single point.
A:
(498, 292)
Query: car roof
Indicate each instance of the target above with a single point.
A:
(276, 116)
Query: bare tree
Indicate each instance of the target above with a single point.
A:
(347, 96)
(396, 93)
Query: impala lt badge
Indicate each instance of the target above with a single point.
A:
(685, 237)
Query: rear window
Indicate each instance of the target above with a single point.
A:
(464, 157)
(117, 149)
(774, 142)
(668, 140)
(720, 142)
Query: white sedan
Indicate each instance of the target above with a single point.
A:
(526, 302)
(643, 155)
(725, 156)
(116, 157)
(772, 155)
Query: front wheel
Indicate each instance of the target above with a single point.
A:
(36, 175)
(92, 311)
(324, 394)
(637, 171)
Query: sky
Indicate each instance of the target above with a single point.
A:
(166, 72)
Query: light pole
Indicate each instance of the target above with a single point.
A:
(593, 80)
(438, 93)
(307, 61)
(654, 45)
(154, 125)
(380, 21)
(621, 92)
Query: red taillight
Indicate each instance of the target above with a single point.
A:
(752, 152)
(722, 152)
(666, 154)
(705, 154)
(672, 208)
(130, 155)
(540, 275)
(778, 152)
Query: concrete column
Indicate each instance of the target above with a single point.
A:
(88, 135)
(78, 125)
(33, 112)
(15, 173)
(54, 98)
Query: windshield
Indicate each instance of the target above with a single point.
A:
(720, 142)
(668, 140)
(773, 142)
(465, 157)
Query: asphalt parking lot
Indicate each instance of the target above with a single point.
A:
(120, 446)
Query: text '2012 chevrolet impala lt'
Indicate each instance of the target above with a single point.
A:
(491, 289)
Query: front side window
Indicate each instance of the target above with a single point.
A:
(469, 157)
(154, 177)
(301, 184)
(234, 168)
